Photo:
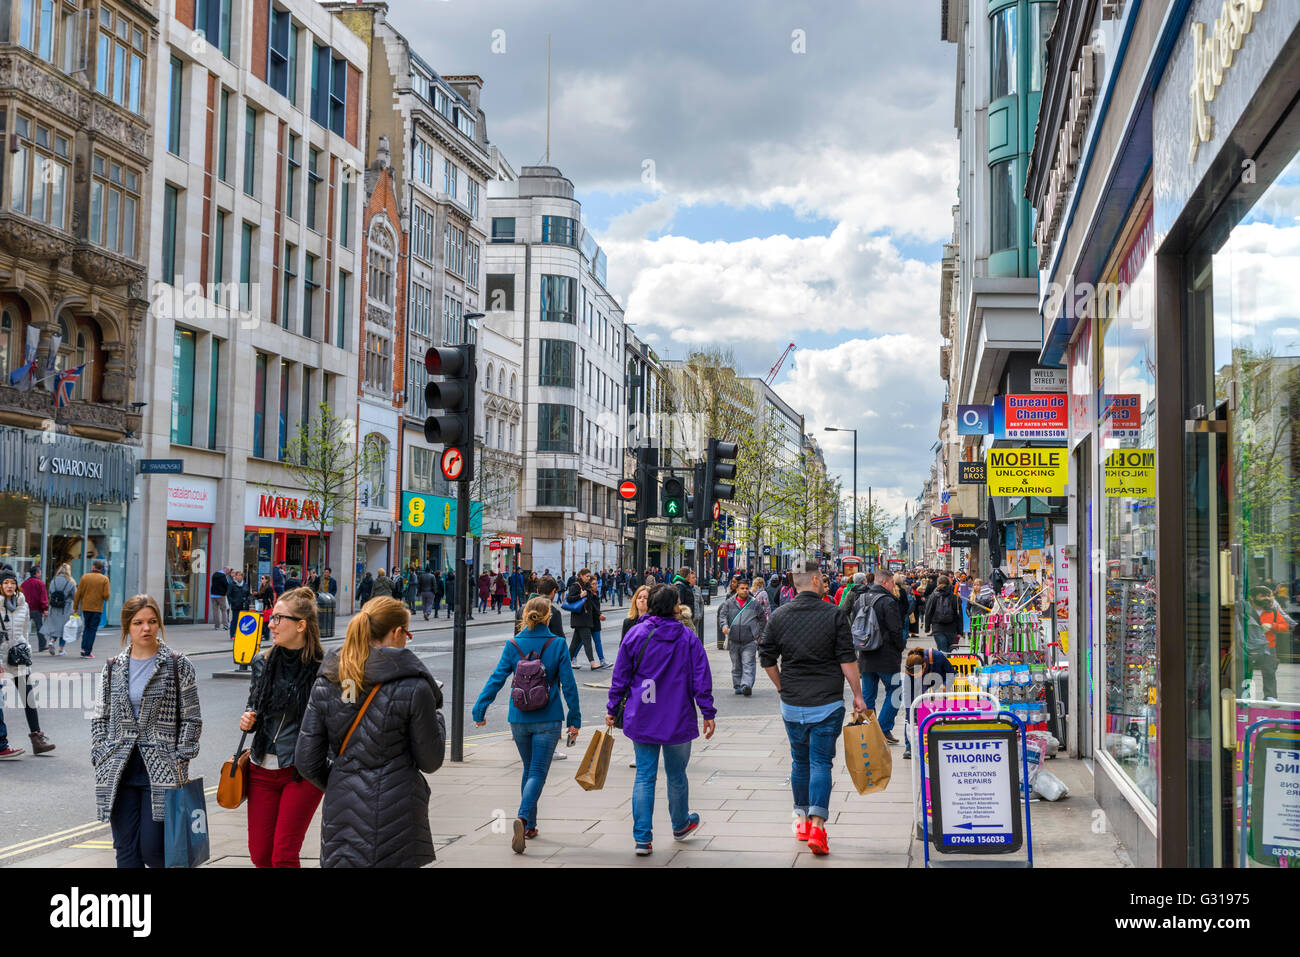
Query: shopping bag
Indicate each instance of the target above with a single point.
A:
(185, 826)
(595, 763)
(72, 630)
(866, 754)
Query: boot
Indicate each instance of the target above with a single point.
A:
(40, 743)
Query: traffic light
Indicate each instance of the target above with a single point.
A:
(455, 395)
(673, 499)
(719, 469)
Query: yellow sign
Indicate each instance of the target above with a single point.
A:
(1028, 471)
(1131, 473)
(248, 636)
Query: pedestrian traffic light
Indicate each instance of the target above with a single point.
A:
(718, 469)
(454, 393)
(673, 499)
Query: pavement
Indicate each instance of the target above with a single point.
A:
(739, 783)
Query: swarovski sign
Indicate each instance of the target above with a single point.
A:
(78, 468)
(1213, 57)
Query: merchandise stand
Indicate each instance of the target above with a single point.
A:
(1013, 649)
(966, 702)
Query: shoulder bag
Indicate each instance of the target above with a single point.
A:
(631, 679)
(232, 789)
(360, 714)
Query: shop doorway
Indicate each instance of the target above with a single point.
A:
(1082, 588)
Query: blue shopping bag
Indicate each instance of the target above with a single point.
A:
(185, 826)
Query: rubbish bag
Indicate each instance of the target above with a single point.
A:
(1049, 787)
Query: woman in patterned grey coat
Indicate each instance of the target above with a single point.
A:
(144, 734)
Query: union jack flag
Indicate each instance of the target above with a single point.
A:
(64, 384)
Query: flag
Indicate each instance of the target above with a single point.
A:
(64, 385)
(22, 376)
(52, 360)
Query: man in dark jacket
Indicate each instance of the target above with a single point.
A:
(943, 615)
(237, 596)
(810, 640)
(426, 592)
(383, 587)
(326, 583)
(883, 665)
(439, 590)
(278, 579)
(741, 620)
(217, 592)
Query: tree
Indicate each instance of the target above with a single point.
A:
(707, 399)
(760, 480)
(874, 526)
(807, 503)
(324, 459)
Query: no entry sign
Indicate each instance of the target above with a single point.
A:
(627, 488)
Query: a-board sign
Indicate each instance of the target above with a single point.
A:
(1275, 797)
(975, 796)
(248, 637)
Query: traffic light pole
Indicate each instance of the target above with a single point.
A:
(458, 649)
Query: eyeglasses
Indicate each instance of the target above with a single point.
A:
(276, 619)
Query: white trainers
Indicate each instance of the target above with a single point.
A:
(559, 755)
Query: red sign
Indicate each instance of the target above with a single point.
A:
(278, 506)
(627, 488)
(1037, 416)
(1122, 416)
(453, 463)
(945, 549)
(494, 545)
(717, 510)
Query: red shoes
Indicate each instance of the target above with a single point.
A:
(801, 829)
(817, 841)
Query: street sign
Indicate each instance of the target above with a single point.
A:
(975, 782)
(453, 463)
(248, 637)
(1047, 380)
(627, 489)
(717, 510)
(767, 549)
(162, 466)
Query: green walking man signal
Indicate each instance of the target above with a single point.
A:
(673, 498)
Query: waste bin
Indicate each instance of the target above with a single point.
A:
(325, 609)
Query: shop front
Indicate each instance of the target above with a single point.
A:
(65, 500)
(191, 513)
(429, 530)
(503, 553)
(283, 528)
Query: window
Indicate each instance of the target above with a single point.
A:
(560, 230)
(342, 341)
(419, 313)
(473, 188)
(305, 419)
(555, 363)
(500, 292)
(422, 233)
(557, 487)
(214, 389)
(557, 299)
(512, 385)
(212, 21)
(39, 173)
(423, 162)
(454, 249)
(487, 432)
(223, 135)
(422, 465)
(277, 61)
(310, 290)
(464, 122)
(554, 428)
(291, 175)
(119, 72)
(171, 198)
(377, 452)
(420, 84)
(345, 212)
(379, 362)
(282, 445)
(290, 274)
(183, 387)
(320, 82)
(452, 310)
(1042, 16)
(471, 274)
(259, 404)
(313, 186)
(219, 257)
(246, 246)
(503, 229)
(501, 381)
(450, 175)
(381, 276)
(487, 385)
(512, 437)
(293, 64)
(416, 378)
(441, 102)
(1003, 203)
(339, 97)
(250, 151)
(1003, 70)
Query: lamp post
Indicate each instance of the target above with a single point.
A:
(855, 484)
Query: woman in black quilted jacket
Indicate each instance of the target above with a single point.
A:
(376, 798)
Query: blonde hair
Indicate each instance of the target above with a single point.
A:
(132, 607)
(302, 604)
(64, 569)
(632, 613)
(377, 618)
(537, 612)
(756, 585)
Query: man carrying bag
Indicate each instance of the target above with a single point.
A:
(742, 620)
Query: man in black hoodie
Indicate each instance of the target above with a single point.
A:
(943, 616)
(883, 665)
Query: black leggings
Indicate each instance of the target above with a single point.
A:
(25, 695)
(582, 639)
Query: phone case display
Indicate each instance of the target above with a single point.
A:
(1131, 668)
(1014, 649)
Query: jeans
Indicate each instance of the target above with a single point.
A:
(812, 749)
(643, 790)
(944, 642)
(893, 686)
(426, 603)
(137, 837)
(279, 812)
(581, 638)
(743, 664)
(37, 620)
(536, 741)
(1267, 665)
(90, 619)
(595, 637)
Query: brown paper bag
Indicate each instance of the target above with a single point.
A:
(595, 763)
(867, 754)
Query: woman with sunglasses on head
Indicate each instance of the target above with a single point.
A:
(375, 706)
(281, 802)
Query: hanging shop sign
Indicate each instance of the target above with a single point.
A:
(1214, 55)
(1045, 416)
(435, 515)
(974, 420)
(1122, 417)
(1065, 160)
(1131, 473)
(975, 791)
(1047, 380)
(972, 473)
(65, 470)
(1042, 472)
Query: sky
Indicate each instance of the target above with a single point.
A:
(758, 173)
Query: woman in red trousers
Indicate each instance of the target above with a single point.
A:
(280, 802)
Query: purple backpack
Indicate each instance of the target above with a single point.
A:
(530, 690)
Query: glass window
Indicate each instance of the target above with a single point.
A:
(1042, 16)
(555, 360)
(471, 264)
(339, 97)
(310, 288)
(250, 151)
(454, 250)
(293, 64)
(313, 186)
(282, 444)
(557, 487)
(219, 259)
(554, 428)
(119, 67)
(291, 175)
(214, 389)
(39, 175)
(277, 62)
(259, 407)
(558, 299)
(473, 198)
(183, 387)
(223, 135)
(320, 81)
(342, 340)
(560, 230)
(212, 21)
(345, 213)
(246, 247)
(171, 197)
(1002, 56)
(1003, 205)
(290, 274)
(503, 229)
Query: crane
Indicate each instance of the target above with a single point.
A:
(771, 374)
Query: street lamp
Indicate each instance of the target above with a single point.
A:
(855, 483)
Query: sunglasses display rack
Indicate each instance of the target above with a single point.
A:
(1131, 665)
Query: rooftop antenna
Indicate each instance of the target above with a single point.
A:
(548, 99)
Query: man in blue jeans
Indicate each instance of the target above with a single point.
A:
(883, 666)
(807, 651)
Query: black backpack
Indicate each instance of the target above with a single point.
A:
(945, 609)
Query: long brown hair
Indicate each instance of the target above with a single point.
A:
(302, 604)
(377, 618)
(131, 607)
(632, 613)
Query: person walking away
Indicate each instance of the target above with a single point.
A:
(91, 596)
(238, 597)
(144, 735)
(439, 590)
(411, 586)
(499, 591)
(484, 591)
(376, 811)
(450, 582)
(62, 589)
(538, 664)
(664, 655)
(788, 590)
(943, 615)
(807, 651)
(428, 589)
(383, 587)
(759, 593)
(281, 803)
(904, 599)
(741, 620)
(365, 587)
(217, 590)
(927, 670)
(581, 619)
(855, 588)
(16, 658)
(278, 578)
(774, 592)
(882, 665)
(38, 602)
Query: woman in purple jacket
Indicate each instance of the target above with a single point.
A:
(663, 671)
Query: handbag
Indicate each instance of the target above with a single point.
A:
(622, 705)
(866, 755)
(232, 789)
(185, 809)
(72, 630)
(20, 654)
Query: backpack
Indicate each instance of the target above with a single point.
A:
(59, 599)
(529, 689)
(867, 634)
(945, 609)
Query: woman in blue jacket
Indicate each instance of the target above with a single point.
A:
(536, 732)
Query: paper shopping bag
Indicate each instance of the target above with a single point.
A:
(867, 754)
(185, 826)
(595, 763)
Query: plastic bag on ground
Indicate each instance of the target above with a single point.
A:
(1049, 787)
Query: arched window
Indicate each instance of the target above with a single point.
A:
(489, 377)
(7, 340)
(377, 452)
(501, 382)
(512, 385)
